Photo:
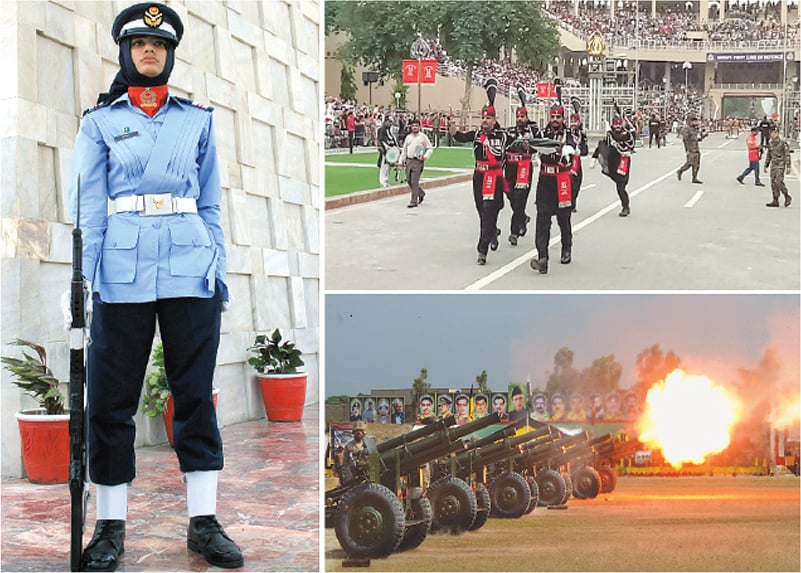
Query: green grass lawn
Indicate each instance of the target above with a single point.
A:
(348, 173)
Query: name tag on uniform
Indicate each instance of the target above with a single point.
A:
(126, 135)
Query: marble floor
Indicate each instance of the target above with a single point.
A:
(268, 503)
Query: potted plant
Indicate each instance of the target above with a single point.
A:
(44, 431)
(157, 398)
(283, 388)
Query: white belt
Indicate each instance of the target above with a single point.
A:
(155, 204)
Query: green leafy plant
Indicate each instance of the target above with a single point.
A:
(35, 378)
(157, 390)
(273, 357)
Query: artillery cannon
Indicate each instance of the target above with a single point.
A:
(380, 507)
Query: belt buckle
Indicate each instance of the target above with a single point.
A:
(158, 204)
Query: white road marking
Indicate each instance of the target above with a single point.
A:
(694, 199)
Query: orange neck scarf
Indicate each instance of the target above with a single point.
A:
(149, 100)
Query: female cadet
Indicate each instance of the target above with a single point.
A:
(159, 256)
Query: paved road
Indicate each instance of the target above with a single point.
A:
(680, 236)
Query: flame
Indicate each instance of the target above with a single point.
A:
(688, 418)
(786, 412)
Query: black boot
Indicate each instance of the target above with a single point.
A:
(482, 259)
(104, 549)
(774, 203)
(698, 181)
(207, 537)
(540, 265)
(494, 242)
(787, 200)
(524, 228)
(513, 240)
(625, 212)
(566, 256)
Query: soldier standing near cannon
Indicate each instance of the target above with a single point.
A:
(778, 161)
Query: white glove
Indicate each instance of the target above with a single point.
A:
(567, 151)
(66, 304)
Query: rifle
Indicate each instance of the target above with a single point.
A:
(79, 491)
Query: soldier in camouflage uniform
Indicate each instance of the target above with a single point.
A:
(691, 137)
(778, 160)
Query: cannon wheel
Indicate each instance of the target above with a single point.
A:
(586, 483)
(483, 507)
(552, 487)
(568, 487)
(535, 494)
(510, 495)
(415, 534)
(608, 478)
(453, 504)
(369, 521)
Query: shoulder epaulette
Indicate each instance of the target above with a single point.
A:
(94, 108)
(194, 103)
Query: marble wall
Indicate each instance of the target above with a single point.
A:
(257, 64)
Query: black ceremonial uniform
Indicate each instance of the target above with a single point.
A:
(517, 172)
(614, 153)
(488, 180)
(576, 170)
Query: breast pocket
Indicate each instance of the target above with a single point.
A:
(191, 248)
(119, 257)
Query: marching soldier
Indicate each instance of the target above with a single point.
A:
(691, 137)
(614, 154)
(489, 145)
(159, 257)
(519, 154)
(582, 150)
(778, 161)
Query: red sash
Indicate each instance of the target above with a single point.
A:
(623, 166)
(563, 189)
(491, 173)
(575, 166)
(523, 174)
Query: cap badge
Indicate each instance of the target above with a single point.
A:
(153, 17)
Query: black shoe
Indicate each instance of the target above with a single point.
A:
(540, 265)
(421, 197)
(494, 242)
(513, 240)
(759, 184)
(787, 201)
(412, 204)
(107, 544)
(524, 228)
(566, 257)
(482, 259)
(678, 174)
(740, 181)
(698, 181)
(574, 209)
(774, 203)
(207, 537)
(625, 212)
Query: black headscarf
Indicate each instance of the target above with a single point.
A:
(128, 75)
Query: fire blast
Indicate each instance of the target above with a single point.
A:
(688, 418)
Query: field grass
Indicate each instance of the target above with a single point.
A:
(348, 173)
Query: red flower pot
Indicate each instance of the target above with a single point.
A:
(170, 412)
(45, 446)
(284, 396)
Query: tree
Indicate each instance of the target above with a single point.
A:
(487, 28)
(337, 400)
(421, 384)
(481, 381)
(603, 375)
(652, 366)
(564, 378)
(347, 89)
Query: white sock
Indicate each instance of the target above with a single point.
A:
(112, 501)
(201, 493)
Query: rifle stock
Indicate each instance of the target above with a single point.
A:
(77, 423)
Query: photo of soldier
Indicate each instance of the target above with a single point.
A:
(480, 403)
(631, 407)
(462, 408)
(425, 405)
(398, 415)
(518, 410)
(499, 405)
(577, 412)
(444, 405)
(540, 403)
(558, 408)
(612, 407)
(595, 411)
(383, 411)
(368, 415)
(355, 410)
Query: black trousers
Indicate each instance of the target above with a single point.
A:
(487, 210)
(542, 233)
(620, 185)
(122, 335)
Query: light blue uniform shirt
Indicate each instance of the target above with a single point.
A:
(133, 258)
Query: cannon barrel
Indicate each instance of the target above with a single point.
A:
(498, 451)
(539, 454)
(423, 432)
(504, 432)
(415, 454)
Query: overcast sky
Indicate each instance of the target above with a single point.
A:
(375, 341)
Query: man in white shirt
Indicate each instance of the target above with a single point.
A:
(416, 149)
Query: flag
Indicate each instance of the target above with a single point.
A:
(426, 72)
